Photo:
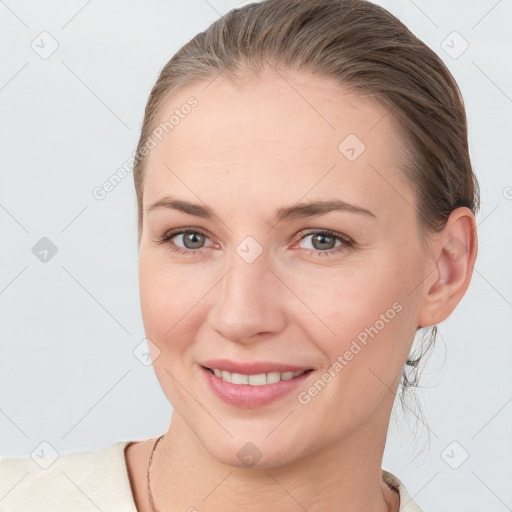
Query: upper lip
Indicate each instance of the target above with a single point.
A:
(252, 368)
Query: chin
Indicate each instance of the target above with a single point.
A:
(257, 452)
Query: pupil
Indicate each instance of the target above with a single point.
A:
(189, 237)
(323, 237)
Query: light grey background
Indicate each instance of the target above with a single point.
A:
(69, 327)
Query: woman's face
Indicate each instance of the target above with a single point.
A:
(255, 282)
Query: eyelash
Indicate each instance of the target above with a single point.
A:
(347, 241)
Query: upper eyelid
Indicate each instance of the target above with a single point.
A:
(320, 231)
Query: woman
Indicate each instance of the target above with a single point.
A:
(306, 204)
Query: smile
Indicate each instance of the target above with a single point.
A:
(252, 390)
(259, 379)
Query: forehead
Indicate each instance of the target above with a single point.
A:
(286, 135)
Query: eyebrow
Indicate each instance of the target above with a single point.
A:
(311, 209)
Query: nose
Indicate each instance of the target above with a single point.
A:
(250, 301)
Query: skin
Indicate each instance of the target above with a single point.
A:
(246, 150)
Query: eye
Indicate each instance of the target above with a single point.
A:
(324, 242)
(192, 240)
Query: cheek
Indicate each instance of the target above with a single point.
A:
(373, 330)
(364, 313)
(167, 299)
(160, 307)
(164, 291)
(172, 300)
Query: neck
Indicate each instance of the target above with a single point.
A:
(345, 476)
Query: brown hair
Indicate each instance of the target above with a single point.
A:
(365, 49)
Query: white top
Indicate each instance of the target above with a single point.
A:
(90, 480)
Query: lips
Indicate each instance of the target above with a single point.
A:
(252, 384)
(253, 393)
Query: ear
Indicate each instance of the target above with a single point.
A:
(453, 258)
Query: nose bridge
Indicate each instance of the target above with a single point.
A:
(247, 298)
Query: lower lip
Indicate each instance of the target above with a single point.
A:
(247, 396)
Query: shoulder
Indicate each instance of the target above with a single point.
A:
(82, 481)
(407, 504)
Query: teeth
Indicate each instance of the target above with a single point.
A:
(238, 378)
(273, 377)
(255, 380)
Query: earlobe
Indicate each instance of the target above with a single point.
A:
(454, 253)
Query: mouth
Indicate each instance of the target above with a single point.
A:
(250, 384)
(258, 379)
